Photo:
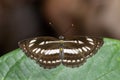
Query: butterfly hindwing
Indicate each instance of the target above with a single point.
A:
(78, 49)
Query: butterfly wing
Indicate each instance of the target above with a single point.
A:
(42, 49)
(78, 49)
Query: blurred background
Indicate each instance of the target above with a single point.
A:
(22, 19)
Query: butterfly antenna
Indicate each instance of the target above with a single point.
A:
(73, 26)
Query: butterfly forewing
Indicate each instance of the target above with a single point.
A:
(42, 49)
(50, 52)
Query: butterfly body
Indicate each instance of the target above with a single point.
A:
(49, 52)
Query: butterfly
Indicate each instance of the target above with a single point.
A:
(50, 52)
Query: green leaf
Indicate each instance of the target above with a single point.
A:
(105, 65)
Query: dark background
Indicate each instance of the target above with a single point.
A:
(21, 19)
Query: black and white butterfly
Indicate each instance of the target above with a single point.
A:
(50, 52)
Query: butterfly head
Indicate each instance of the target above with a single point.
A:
(61, 37)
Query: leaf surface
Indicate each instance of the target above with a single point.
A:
(105, 65)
